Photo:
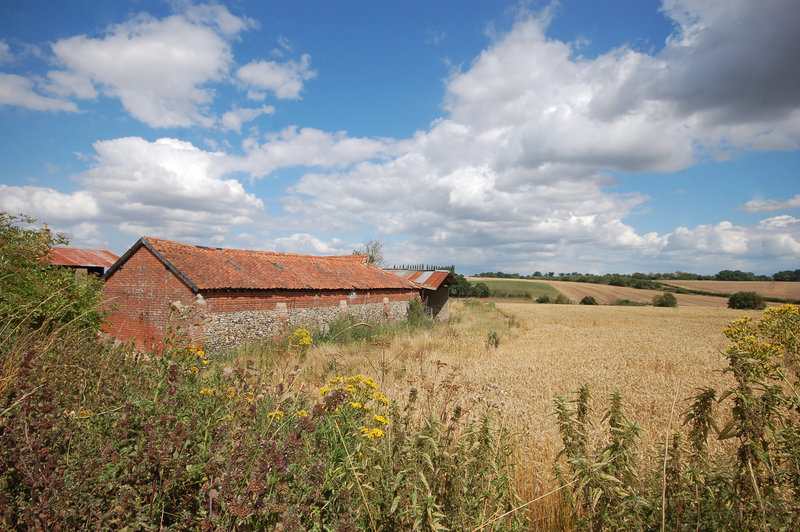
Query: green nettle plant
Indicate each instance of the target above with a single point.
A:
(605, 491)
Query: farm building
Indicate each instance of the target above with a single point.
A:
(434, 288)
(83, 261)
(229, 296)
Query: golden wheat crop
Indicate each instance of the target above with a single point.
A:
(649, 353)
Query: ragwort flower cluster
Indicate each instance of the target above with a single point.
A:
(361, 396)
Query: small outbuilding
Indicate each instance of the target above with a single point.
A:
(434, 289)
(224, 297)
(83, 261)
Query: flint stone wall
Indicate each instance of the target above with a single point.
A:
(226, 330)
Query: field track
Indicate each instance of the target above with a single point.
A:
(779, 289)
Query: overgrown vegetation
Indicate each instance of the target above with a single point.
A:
(755, 486)
(184, 442)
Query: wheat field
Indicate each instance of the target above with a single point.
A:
(651, 354)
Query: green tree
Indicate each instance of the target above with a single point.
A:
(665, 300)
(747, 300)
(35, 292)
(480, 290)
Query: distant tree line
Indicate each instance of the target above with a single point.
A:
(646, 280)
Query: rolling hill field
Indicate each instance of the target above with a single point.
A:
(779, 289)
(603, 294)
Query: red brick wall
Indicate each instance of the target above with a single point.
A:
(142, 291)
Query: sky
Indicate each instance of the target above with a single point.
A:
(519, 136)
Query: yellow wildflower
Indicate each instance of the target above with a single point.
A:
(355, 404)
(302, 413)
(371, 433)
(380, 419)
(324, 390)
(378, 396)
(276, 415)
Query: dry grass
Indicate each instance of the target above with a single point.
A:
(648, 353)
(779, 289)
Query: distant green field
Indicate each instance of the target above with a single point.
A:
(517, 288)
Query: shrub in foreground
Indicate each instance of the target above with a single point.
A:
(747, 300)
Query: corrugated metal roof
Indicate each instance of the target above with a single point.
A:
(86, 258)
(428, 279)
(209, 268)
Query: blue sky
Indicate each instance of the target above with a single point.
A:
(590, 136)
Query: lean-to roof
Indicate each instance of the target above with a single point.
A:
(428, 279)
(84, 258)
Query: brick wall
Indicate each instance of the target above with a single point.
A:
(141, 292)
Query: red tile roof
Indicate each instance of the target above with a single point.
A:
(209, 268)
(84, 258)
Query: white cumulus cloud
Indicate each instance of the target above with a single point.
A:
(285, 80)
(769, 205)
(19, 91)
(233, 119)
(159, 69)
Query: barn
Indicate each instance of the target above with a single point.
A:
(229, 296)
